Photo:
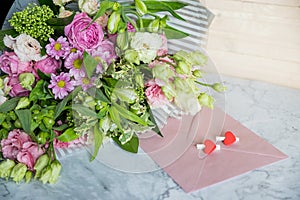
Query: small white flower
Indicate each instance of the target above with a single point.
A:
(88, 6)
(25, 47)
(61, 2)
(2, 97)
(146, 44)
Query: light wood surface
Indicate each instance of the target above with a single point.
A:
(256, 39)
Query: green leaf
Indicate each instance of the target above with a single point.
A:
(98, 94)
(61, 105)
(68, 135)
(25, 119)
(115, 117)
(84, 110)
(173, 33)
(98, 138)
(43, 76)
(175, 5)
(104, 6)
(90, 64)
(155, 129)
(9, 104)
(38, 91)
(61, 128)
(131, 146)
(3, 33)
(128, 114)
(157, 6)
(53, 7)
(60, 21)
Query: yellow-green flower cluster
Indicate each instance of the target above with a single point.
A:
(33, 21)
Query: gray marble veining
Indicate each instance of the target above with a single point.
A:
(273, 112)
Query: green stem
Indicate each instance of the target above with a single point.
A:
(204, 84)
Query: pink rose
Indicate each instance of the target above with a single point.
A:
(163, 50)
(154, 94)
(13, 144)
(11, 64)
(29, 153)
(47, 66)
(81, 37)
(106, 51)
(16, 89)
(59, 144)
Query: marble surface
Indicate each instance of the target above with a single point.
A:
(273, 112)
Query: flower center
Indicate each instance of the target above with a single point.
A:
(61, 84)
(77, 63)
(85, 81)
(73, 50)
(57, 46)
(98, 58)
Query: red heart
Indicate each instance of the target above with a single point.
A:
(229, 138)
(210, 146)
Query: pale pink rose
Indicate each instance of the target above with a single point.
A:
(11, 64)
(59, 144)
(163, 50)
(81, 37)
(29, 153)
(16, 89)
(106, 51)
(48, 65)
(102, 20)
(13, 144)
(154, 94)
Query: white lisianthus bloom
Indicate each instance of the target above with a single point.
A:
(88, 6)
(61, 2)
(25, 47)
(146, 45)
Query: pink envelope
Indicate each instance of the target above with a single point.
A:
(177, 154)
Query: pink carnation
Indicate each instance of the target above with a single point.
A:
(163, 50)
(47, 66)
(154, 94)
(81, 37)
(13, 144)
(18, 146)
(11, 64)
(16, 90)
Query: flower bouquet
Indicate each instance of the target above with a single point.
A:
(85, 71)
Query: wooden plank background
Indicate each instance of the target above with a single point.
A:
(256, 39)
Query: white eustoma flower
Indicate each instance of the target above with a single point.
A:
(61, 2)
(88, 6)
(146, 44)
(25, 47)
(2, 97)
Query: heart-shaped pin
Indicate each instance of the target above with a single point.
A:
(229, 138)
(210, 146)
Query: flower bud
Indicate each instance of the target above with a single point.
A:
(197, 73)
(113, 22)
(169, 91)
(42, 137)
(140, 7)
(183, 68)
(132, 56)
(27, 80)
(56, 168)
(116, 6)
(6, 168)
(48, 122)
(18, 172)
(28, 176)
(40, 164)
(23, 103)
(46, 174)
(219, 87)
(122, 41)
(206, 100)
(154, 25)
